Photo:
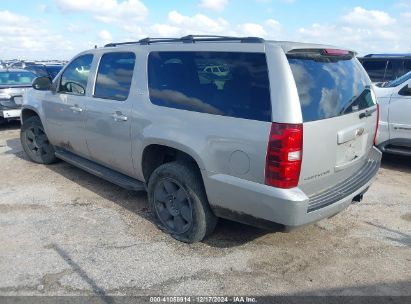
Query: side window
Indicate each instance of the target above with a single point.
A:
(389, 72)
(75, 76)
(114, 75)
(181, 80)
(407, 66)
(375, 69)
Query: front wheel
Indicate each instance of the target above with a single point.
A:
(35, 142)
(178, 200)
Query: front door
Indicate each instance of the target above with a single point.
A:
(109, 112)
(400, 115)
(65, 109)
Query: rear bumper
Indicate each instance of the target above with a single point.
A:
(259, 205)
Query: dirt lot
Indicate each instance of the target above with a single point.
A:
(66, 232)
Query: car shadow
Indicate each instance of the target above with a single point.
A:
(230, 234)
(133, 201)
(14, 147)
(378, 293)
(227, 233)
(396, 162)
(11, 125)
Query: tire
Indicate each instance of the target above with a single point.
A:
(35, 142)
(177, 199)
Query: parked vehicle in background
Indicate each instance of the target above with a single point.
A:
(218, 70)
(216, 74)
(386, 67)
(394, 98)
(47, 70)
(13, 84)
(40, 68)
(287, 140)
(20, 64)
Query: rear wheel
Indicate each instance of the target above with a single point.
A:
(178, 200)
(35, 142)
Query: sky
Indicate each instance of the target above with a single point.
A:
(59, 29)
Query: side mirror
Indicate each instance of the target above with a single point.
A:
(405, 91)
(42, 83)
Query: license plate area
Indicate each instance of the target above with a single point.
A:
(11, 113)
(350, 151)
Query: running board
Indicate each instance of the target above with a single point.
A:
(398, 150)
(110, 175)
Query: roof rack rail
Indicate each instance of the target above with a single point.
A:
(211, 38)
(388, 55)
(189, 39)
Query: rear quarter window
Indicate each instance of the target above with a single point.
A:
(330, 88)
(192, 81)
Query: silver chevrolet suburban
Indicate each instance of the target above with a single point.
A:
(284, 137)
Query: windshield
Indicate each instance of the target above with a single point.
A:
(16, 78)
(398, 81)
(330, 87)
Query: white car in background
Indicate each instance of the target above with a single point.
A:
(394, 132)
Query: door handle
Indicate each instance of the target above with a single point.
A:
(118, 116)
(76, 108)
(367, 113)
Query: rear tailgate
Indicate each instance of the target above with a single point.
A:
(339, 113)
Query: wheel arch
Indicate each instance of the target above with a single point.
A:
(27, 113)
(156, 154)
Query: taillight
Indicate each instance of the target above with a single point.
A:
(378, 122)
(284, 155)
(335, 52)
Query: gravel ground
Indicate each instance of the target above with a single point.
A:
(66, 232)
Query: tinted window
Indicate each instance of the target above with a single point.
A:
(53, 70)
(399, 80)
(16, 78)
(74, 77)
(114, 76)
(375, 69)
(329, 88)
(407, 66)
(186, 80)
(389, 72)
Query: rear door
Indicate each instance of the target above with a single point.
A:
(107, 129)
(339, 115)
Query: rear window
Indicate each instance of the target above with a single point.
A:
(375, 69)
(220, 83)
(16, 78)
(330, 87)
